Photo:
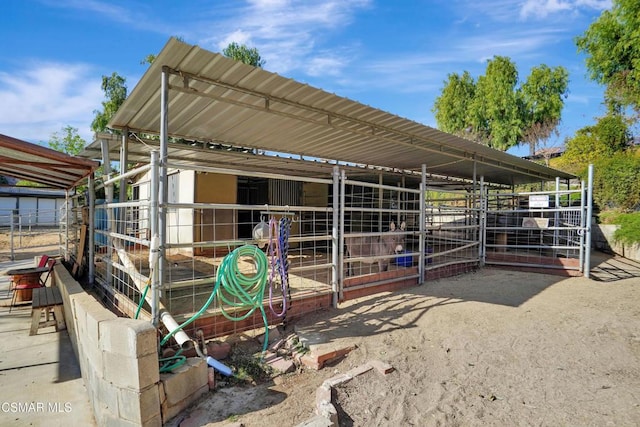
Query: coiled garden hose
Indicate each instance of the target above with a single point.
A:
(237, 290)
(168, 364)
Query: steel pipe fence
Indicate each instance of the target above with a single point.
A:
(341, 234)
(452, 228)
(30, 231)
(536, 229)
(197, 236)
(380, 233)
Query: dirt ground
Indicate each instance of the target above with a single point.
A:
(490, 348)
(494, 347)
(28, 244)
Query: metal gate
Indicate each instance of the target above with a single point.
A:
(543, 229)
(379, 235)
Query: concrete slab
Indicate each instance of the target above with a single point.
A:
(40, 381)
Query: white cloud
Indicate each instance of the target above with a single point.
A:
(237, 36)
(285, 32)
(134, 13)
(521, 43)
(325, 66)
(544, 8)
(45, 97)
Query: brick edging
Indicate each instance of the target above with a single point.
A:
(327, 415)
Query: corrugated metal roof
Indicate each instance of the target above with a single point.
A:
(216, 99)
(245, 159)
(31, 162)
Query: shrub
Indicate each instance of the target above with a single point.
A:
(617, 182)
(629, 231)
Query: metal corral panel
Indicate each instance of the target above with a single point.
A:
(216, 99)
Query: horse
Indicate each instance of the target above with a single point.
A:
(374, 247)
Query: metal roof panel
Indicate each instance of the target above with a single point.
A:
(213, 98)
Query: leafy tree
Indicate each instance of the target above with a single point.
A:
(612, 45)
(244, 54)
(26, 183)
(4, 180)
(610, 135)
(616, 182)
(68, 141)
(148, 59)
(452, 105)
(494, 111)
(542, 99)
(494, 114)
(115, 91)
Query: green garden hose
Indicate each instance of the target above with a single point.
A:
(144, 295)
(236, 290)
(168, 364)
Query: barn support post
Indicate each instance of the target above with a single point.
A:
(335, 241)
(402, 198)
(67, 204)
(343, 186)
(153, 228)
(583, 223)
(92, 227)
(12, 220)
(120, 212)
(122, 197)
(381, 202)
(472, 218)
(423, 225)
(163, 181)
(108, 191)
(483, 223)
(587, 259)
(556, 217)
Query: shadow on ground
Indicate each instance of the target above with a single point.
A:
(611, 268)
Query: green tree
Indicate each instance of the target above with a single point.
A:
(26, 183)
(115, 91)
(495, 111)
(244, 54)
(610, 135)
(612, 45)
(616, 182)
(542, 98)
(148, 60)
(452, 106)
(494, 114)
(67, 141)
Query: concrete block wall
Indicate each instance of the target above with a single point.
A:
(119, 363)
(181, 387)
(602, 239)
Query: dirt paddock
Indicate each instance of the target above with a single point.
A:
(494, 347)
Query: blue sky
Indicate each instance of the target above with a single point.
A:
(392, 55)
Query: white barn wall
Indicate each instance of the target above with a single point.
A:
(180, 221)
(7, 205)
